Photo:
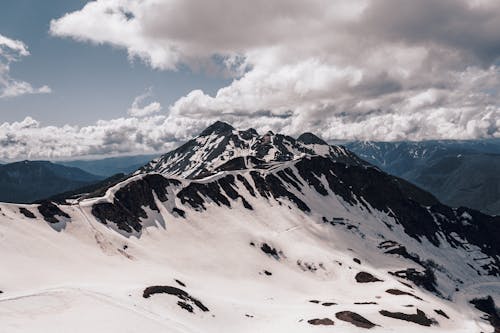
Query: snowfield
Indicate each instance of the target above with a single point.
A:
(89, 278)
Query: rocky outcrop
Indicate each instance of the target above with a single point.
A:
(129, 201)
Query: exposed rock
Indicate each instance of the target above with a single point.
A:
(180, 283)
(355, 319)
(26, 212)
(129, 201)
(425, 279)
(328, 303)
(418, 318)
(393, 247)
(309, 139)
(365, 277)
(271, 186)
(49, 212)
(364, 303)
(270, 251)
(487, 305)
(185, 306)
(441, 313)
(181, 294)
(324, 321)
(398, 292)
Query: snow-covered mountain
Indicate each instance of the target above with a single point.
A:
(240, 232)
(221, 147)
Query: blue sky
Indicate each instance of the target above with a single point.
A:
(114, 77)
(88, 82)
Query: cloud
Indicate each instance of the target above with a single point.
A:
(136, 110)
(30, 139)
(11, 51)
(347, 69)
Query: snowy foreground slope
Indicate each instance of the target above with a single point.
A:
(281, 235)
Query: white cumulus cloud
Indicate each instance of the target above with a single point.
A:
(140, 109)
(11, 51)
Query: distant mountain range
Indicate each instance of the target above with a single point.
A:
(110, 166)
(28, 181)
(459, 173)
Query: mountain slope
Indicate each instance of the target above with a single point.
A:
(458, 173)
(28, 181)
(260, 243)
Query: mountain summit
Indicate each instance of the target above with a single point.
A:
(220, 146)
(237, 231)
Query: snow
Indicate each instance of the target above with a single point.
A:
(88, 277)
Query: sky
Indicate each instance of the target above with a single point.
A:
(110, 77)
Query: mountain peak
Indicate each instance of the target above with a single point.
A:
(308, 138)
(219, 127)
(220, 146)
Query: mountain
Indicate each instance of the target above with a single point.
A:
(241, 232)
(459, 173)
(221, 147)
(110, 166)
(28, 181)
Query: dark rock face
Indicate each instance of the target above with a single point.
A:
(270, 185)
(324, 321)
(219, 191)
(309, 138)
(328, 303)
(441, 313)
(219, 127)
(418, 318)
(271, 251)
(425, 279)
(185, 306)
(180, 283)
(242, 163)
(127, 207)
(184, 297)
(392, 247)
(398, 292)
(26, 212)
(355, 319)
(480, 230)
(49, 212)
(364, 277)
(487, 305)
